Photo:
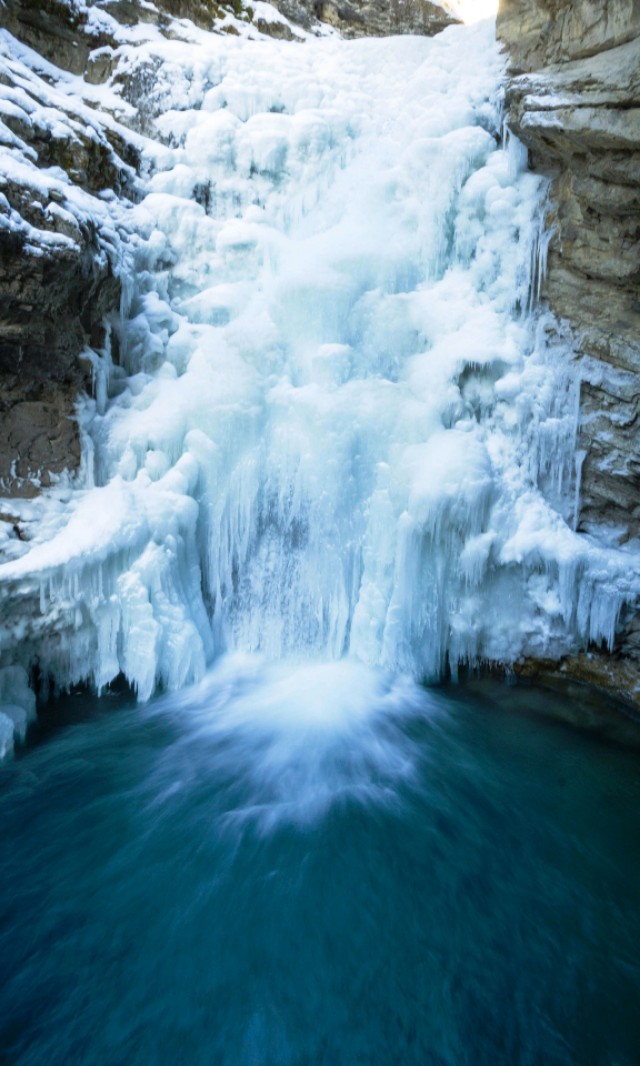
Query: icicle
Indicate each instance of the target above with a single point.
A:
(346, 427)
(516, 152)
(579, 459)
(539, 254)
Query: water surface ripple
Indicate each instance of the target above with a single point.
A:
(319, 865)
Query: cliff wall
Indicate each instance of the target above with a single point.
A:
(379, 18)
(62, 164)
(573, 98)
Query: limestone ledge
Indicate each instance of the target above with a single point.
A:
(589, 673)
(542, 32)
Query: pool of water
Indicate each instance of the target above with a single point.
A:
(319, 865)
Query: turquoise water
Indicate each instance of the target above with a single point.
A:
(319, 866)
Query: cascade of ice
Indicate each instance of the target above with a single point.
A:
(337, 427)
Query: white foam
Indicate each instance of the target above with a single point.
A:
(298, 737)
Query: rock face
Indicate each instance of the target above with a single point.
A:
(381, 18)
(541, 32)
(56, 30)
(573, 98)
(52, 305)
(579, 115)
(65, 34)
(57, 265)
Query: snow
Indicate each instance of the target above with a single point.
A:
(339, 426)
(45, 113)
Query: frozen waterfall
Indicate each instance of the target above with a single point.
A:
(335, 424)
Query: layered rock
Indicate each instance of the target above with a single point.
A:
(580, 118)
(68, 33)
(59, 31)
(53, 300)
(381, 18)
(573, 98)
(543, 32)
(63, 165)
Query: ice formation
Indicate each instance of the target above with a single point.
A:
(17, 707)
(337, 425)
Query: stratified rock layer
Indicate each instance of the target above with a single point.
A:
(381, 18)
(574, 100)
(541, 32)
(580, 117)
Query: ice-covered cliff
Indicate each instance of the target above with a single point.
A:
(58, 264)
(329, 416)
(574, 98)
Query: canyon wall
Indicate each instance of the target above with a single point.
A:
(573, 98)
(62, 161)
(378, 18)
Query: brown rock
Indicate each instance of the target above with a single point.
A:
(53, 301)
(384, 18)
(580, 119)
(56, 30)
(56, 266)
(541, 32)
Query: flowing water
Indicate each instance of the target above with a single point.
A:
(319, 865)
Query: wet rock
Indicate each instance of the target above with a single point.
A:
(595, 670)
